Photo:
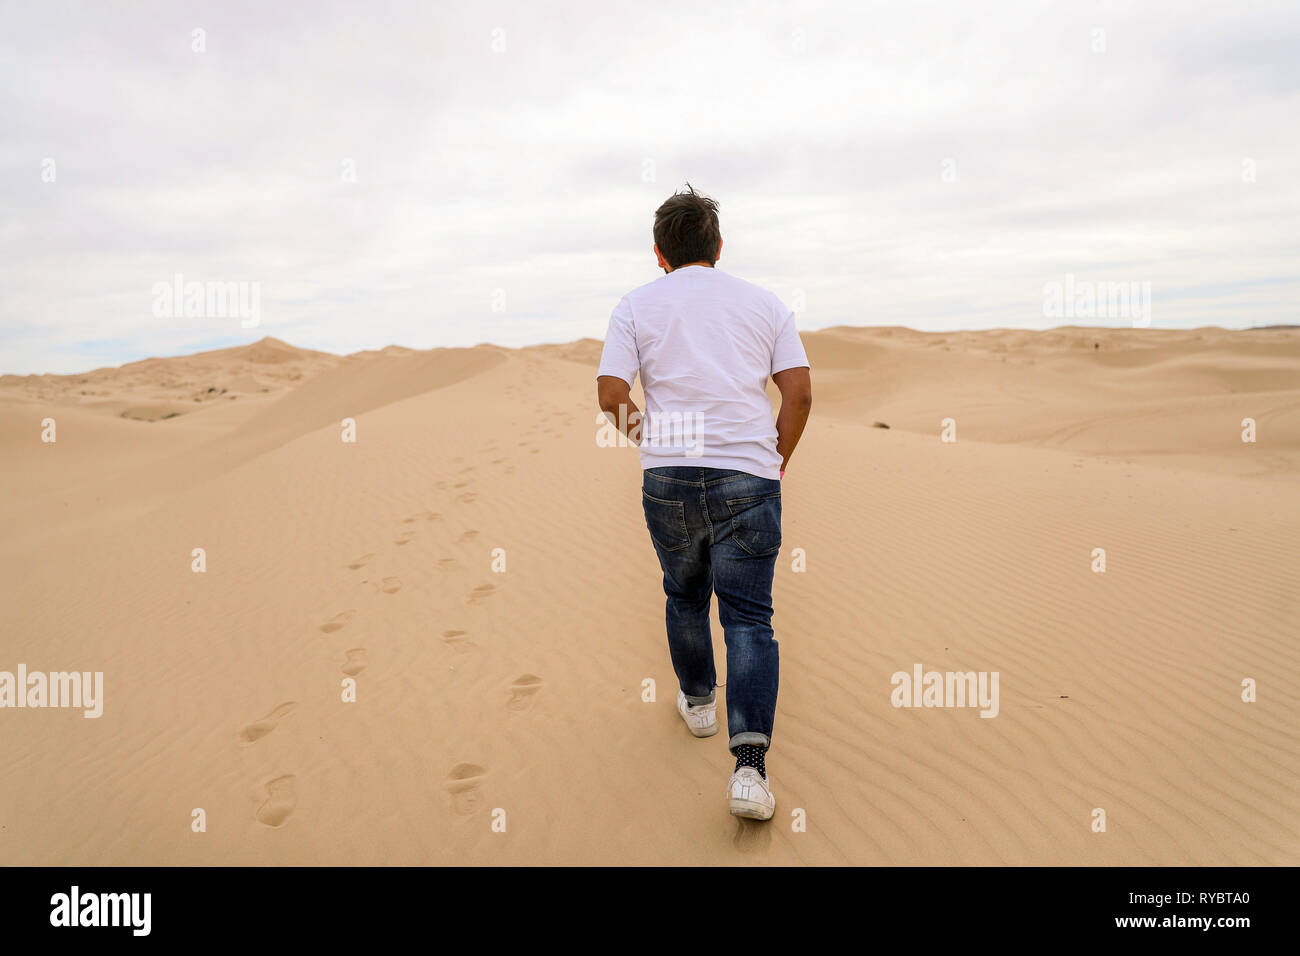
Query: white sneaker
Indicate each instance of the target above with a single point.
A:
(750, 795)
(702, 719)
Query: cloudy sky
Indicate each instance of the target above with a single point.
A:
(439, 174)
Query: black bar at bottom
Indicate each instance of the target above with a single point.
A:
(1051, 905)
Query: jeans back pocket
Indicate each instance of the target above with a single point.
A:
(666, 521)
(756, 522)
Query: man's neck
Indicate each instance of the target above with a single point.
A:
(707, 265)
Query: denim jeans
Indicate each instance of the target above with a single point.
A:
(719, 531)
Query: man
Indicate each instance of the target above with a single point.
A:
(704, 343)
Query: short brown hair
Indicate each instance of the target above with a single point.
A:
(686, 228)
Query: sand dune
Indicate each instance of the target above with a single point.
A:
(1141, 395)
(158, 388)
(521, 691)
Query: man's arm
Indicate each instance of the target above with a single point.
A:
(615, 397)
(795, 385)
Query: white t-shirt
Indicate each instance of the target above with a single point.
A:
(705, 343)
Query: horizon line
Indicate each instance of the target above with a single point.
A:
(487, 344)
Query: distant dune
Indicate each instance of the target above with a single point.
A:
(374, 560)
(157, 388)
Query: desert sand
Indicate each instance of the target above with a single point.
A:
(522, 691)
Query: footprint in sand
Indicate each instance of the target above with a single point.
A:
(337, 622)
(356, 661)
(281, 798)
(458, 641)
(466, 470)
(391, 585)
(360, 562)
(751, 836)
(422, 516)
(523, 690)
(461, 484)
(469, 535)
(259, 729)
(464, 783)
(468, 497)
(481, 593)
(404, 537)
(497, 461)
(447, 564)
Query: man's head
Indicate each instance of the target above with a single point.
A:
(686, 230)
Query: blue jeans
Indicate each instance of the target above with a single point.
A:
(719, 531)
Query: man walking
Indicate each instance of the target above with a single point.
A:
(704, 343)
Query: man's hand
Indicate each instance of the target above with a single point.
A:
(615, 397)
(795, 385)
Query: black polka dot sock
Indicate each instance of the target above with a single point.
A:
(749, 755)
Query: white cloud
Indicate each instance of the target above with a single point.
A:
(823, 129)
